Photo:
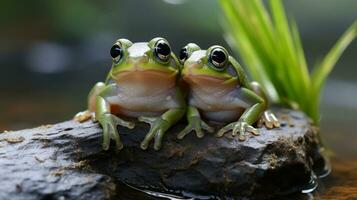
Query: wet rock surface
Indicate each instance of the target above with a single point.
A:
(65, 161)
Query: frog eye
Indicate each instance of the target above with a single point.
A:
(218, 58)
(116, 52)
(183, 55)
(162, 50)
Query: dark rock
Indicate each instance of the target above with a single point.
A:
(65, 161)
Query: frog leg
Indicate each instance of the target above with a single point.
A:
(250, 116)
(89, 113)
(195, 123)
(268, 118)
(159, 125)
(108, 121)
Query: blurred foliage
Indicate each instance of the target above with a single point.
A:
(272, 50)
(57, 18)
(75, 20)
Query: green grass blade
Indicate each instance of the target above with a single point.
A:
(286, 50)
(300, 55)
(322, 70)
(240, 30)
(271, 48)
(302, 67)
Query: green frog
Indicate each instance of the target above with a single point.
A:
(219, 91)
(143, 83)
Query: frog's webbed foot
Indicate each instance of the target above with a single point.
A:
(269, 120)
(84, 116)
(109, 123)
(158, 126)
(195, 124)
(238, 128)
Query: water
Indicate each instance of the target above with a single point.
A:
(311, 185)
(325, 170)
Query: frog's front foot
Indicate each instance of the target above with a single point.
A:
(83, 116)
(240, 128)
(158, 126)
(109, 123)
(195, 124)
(269, 120)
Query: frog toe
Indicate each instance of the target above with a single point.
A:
(276, 122)
(115, 136)
(158, 126)
(240, 129)
(206, 127)
(109, 123)
(197, 125)
(269, 120)
(225, 129)
(245, 128)
(106, 138)
(145, 143)
(252, 130)
(158, 140)
(122, 122)
(148, 120)
(184, 132)
(83, 116)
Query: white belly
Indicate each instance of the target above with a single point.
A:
(134, 105)
(219, 107)
(225, 116)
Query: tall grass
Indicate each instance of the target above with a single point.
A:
(270, 47)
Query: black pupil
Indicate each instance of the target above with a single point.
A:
(115, 51)
(218, 56)
(163, 49)
(183, 54)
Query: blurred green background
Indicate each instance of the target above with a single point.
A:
(52, 52)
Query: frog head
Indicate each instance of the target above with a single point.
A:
(143, 61)
(209, 68)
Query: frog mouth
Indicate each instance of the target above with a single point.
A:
(144, 78)
(210, 83)
(145, 82)
(148, 73)
(192, 75)
(203, 79)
